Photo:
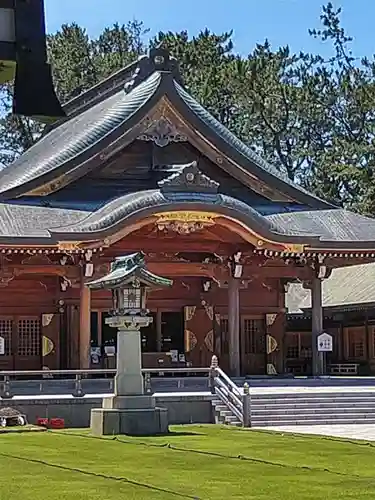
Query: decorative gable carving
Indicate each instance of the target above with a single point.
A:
(189, 179)
(162, 132)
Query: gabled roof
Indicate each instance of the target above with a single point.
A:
(70, 144)
(75, 145)
(347, 288)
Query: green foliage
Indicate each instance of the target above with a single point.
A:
(313, 118)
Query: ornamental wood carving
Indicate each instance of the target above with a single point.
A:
(189, 179)
(184, 223)
(162, 132)
(37, 260)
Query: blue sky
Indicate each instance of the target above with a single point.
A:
(281, 21)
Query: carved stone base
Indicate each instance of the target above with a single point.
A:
(132, 415)
(133, 422)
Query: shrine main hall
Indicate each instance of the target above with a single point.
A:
(140, 165)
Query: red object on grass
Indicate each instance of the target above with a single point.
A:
(42, 422)
(57, 423)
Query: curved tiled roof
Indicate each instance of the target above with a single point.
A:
(76, 135)
(331, 229)
(347, 288)
(315, 228)
(17, 221)
(331, 225)
(131, 205)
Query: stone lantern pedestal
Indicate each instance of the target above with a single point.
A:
(129, 411)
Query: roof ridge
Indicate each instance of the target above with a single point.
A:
(72, 103)
(158, 59)
(235, 142)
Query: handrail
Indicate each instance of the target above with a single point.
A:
(78, 377)
(98, 371)
(235, 389)
(231, 395)
(237, 412)
(235, 400)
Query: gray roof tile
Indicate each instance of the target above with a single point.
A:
(347, 286)
(76, 135)
(331, 225)
(31, 221)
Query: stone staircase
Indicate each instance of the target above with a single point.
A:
(326, 408)
(269, 410)
(315, 402)
(223, 415)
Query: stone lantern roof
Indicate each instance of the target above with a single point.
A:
(129, 270)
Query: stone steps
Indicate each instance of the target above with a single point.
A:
(276, 401)
(256, 411)
(366, 396)
(223, 415)
(313, 409)
(314, 421)
(353, 415)
(304, 407)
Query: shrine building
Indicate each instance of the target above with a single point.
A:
(140, 165)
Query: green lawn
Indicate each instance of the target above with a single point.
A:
(204, 462)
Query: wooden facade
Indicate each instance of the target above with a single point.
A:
(139, 165)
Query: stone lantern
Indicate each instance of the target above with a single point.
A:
(129, 411)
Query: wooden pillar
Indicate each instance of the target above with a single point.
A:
(317, 325)
(234, 326)
(159, 337)
(368, 339)
(84, 326)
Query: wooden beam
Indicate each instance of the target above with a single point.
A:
(174, 245)
(221, 271)
(47, 270)
(216, 271)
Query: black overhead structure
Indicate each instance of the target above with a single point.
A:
(23, 58)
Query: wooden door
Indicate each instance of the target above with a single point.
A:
(253, 345)
(199, 335)
(355, 343)
(51, 341)
(27, 343)
(6, 337)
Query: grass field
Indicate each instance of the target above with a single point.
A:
(203, 462)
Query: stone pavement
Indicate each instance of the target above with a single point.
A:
(350, 431)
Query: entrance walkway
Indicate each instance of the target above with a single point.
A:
(351, 431)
